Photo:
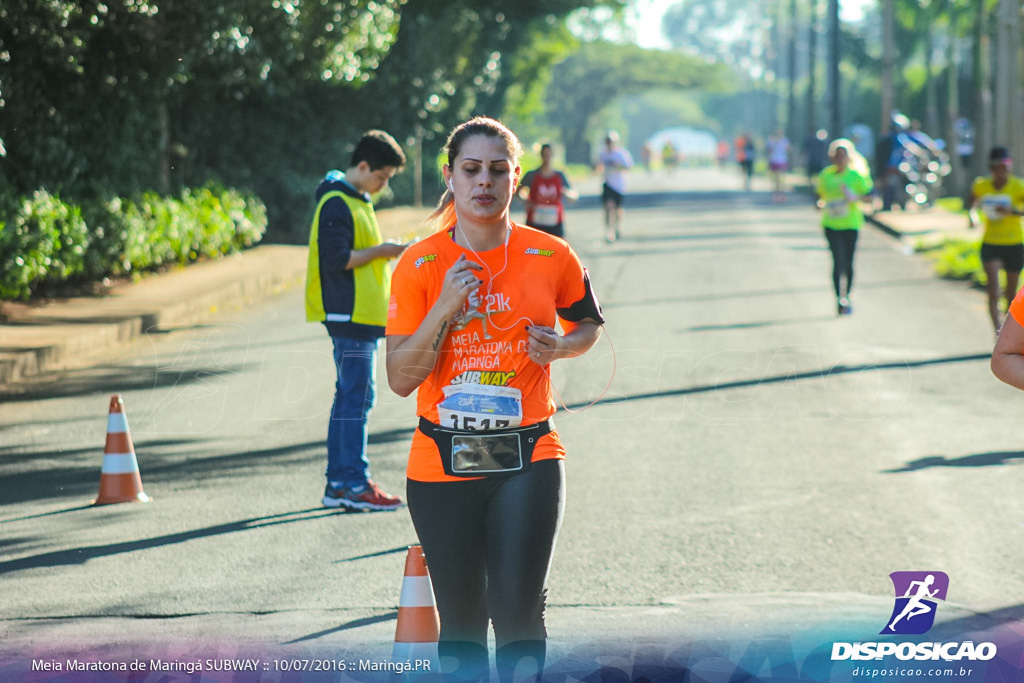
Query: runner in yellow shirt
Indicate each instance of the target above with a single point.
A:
(999, 199)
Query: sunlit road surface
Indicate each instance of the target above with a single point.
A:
(746, 468)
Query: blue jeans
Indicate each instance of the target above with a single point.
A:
(355, 361)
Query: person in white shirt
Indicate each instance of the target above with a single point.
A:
(613, 163)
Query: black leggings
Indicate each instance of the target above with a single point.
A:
(488, 545)
(842, 243)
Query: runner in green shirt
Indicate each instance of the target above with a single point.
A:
(841, 187)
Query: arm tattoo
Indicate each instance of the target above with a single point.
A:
(440, 335)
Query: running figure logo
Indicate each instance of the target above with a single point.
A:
(916, 596)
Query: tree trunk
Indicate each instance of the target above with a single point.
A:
(1007, 114)
(931, 112)
(888, 60)
(791, 131)
(164, 175)
(577, 147)
(957, 184)
(812, 69)
(983, 91)
(773, 66)
(834, 119)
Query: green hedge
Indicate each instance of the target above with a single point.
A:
(46, 243)
(958, 259)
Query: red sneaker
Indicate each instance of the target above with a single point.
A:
(370, 498)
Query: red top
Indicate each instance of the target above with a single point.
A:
(546, 208)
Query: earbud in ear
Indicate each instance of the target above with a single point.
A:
(450, 185)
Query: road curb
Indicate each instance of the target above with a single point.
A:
(71, 333)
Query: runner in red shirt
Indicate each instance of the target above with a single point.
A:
(543, 190)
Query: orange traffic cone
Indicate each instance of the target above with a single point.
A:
(418, 623)
(119, 477)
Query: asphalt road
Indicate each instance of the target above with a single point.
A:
(752, 471)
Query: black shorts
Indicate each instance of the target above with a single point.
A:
(610, 195)
(1012, 255)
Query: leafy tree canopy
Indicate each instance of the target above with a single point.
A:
(726, 31)
(600, 72)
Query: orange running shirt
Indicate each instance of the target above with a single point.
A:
(485, 353)
(1017, 308)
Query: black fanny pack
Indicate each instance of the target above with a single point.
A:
(484, 454)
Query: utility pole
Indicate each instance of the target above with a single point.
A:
(1006, 98)
(812, 69)
(888, 61)
(956, 178)
(791, 131)
(773, 66)
(983, 89)
(834, 121)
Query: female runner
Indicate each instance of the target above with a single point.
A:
(471, 329)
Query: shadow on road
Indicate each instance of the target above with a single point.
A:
(391, 435)
(18, 454)
(759, 324)
(100, 379)
(79, 556)
(696, 298)
(356, 623)
(789, 377)
(382, 553)
(164, 461)
(993, 459)
(52, 513)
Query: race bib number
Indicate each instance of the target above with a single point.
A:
(990, 204)
(545, 215)
(479, 407)
(838, 209)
